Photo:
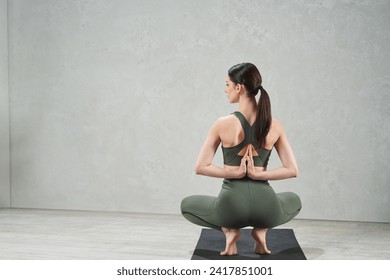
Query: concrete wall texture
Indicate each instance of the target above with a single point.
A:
(4, 110)
(110, 101)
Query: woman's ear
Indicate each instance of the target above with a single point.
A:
(238, 88)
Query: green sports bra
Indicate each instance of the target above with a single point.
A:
(230, 155)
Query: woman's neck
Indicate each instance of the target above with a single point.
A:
(248, 106)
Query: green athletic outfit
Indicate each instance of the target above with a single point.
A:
(242, 202)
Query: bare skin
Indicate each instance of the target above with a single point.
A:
(259, 235)
(231, 236)
(228, 132)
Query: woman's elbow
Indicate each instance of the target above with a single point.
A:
(294, 172)
(199, 169)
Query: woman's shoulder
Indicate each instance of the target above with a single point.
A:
(276, 122)
(227, 118)
(224, 122)
(277, 126)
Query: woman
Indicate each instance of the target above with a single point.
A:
(247, 137)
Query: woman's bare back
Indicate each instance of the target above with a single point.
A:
(231, 134)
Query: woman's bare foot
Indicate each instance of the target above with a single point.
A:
(261, 245)
(232, 236)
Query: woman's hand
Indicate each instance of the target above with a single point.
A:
(251, 164)
(242, 171)
(251, 171)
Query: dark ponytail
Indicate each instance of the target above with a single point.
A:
(263, 118)
(248, 75)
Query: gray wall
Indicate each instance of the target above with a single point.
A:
(111, 100)
(4, 109)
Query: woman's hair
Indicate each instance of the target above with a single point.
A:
(248, 75)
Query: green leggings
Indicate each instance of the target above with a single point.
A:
(241, 203)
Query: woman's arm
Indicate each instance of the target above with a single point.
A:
(289, 168)
(204, 165)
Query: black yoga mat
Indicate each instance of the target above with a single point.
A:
(281, 242)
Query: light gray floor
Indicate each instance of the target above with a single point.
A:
(78, 235)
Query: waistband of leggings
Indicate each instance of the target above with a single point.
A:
(245, 179)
